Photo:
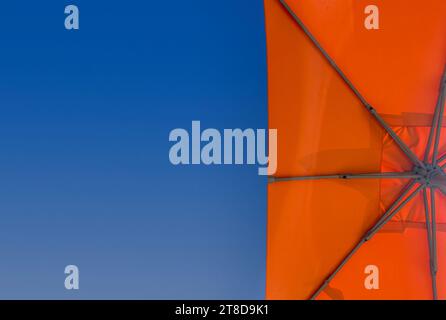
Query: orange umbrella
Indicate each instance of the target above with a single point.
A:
(356, 209)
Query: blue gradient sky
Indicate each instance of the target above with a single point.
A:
(85, 177)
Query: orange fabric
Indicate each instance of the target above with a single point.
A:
(311, 226)
(403, 262)
(323, 129)
(397, 68)
(400, 251)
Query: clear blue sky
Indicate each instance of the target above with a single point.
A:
(85, 176)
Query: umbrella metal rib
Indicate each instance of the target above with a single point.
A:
(437, 122)
(434, 233)
(431, 229)
(441, 159)
(440, 110)
(407, 151)
(346, 176)
(392, 207)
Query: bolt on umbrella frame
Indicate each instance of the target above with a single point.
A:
(420, 177)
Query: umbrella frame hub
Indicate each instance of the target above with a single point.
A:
(431, 176)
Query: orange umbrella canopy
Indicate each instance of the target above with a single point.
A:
(356, 209)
